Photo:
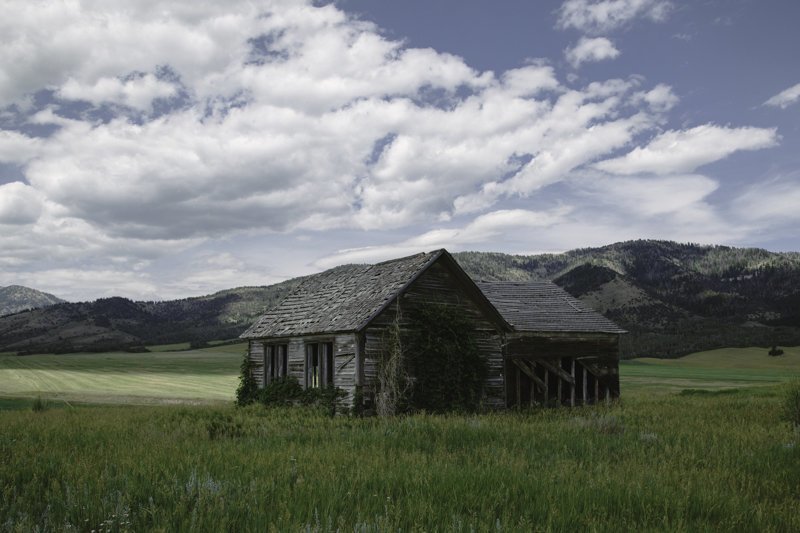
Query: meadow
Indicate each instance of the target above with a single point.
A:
(702, 447)
(169, 374)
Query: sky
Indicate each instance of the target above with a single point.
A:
(165, 149)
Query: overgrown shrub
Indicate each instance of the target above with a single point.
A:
(282, 391)
(288, 391)
(247, 391)
(394, 382)
(775, 351)
(444, 362)
(328, 399)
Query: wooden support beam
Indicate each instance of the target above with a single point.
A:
(519, 390)
(596, 390)
(608, 395)
(595, 370)
(585, 385)
(546, 386)
(555, 370)
(572, 386)
(520, 364)
(560, 383)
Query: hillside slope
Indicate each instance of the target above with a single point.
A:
(118, 323)
(673, 299)
(15, 298)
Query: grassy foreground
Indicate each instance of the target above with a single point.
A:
(695, 444)
(677, 463)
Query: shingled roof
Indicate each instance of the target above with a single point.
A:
(341, 299)
(543, 306)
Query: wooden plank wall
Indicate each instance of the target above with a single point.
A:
(344, 347)
(256, 355)
(438, 285)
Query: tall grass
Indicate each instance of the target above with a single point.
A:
(695, 462)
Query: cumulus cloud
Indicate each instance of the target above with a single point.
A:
(277, 117)
(785, 98)
(138, 92)
(479, 230)
(73, 284)
(660, 98)
(601, 16)
(590, 49)
(685, 150)
(17, 148)
(19, 204)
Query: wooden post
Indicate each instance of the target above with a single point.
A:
(572, 386)
(267, 363)
(546, 386)
(560, 381)
(519, 390)
(596, 390)
(359, 348)
(585, 385)
(608, 395)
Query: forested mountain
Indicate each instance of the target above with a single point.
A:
(672, 298)
(15, 298)
(118, 323)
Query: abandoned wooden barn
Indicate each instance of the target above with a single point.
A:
(560, 352)
(539, 344)
(331, 330)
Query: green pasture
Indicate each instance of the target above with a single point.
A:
(209, 374)
(726, 368)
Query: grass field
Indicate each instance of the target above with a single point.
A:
(695, 444)
(726, 368)
(721, 462)
(209, 374)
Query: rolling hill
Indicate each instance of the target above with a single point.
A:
(15, 298)
(673, 299)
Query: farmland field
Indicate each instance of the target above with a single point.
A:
(695, 444)
(209, 374)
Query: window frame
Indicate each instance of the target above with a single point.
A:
(319, 364)
(276, 362)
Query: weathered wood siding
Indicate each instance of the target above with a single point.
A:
(256, 354)
(344, 351)
(438, 285)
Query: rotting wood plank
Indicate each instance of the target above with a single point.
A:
(520, 364)
(585, 385)
(572, 386)
(560, 383)
(347, 362)
(555, 369)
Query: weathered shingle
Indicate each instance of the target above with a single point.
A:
(543, 306)
(340, 299)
